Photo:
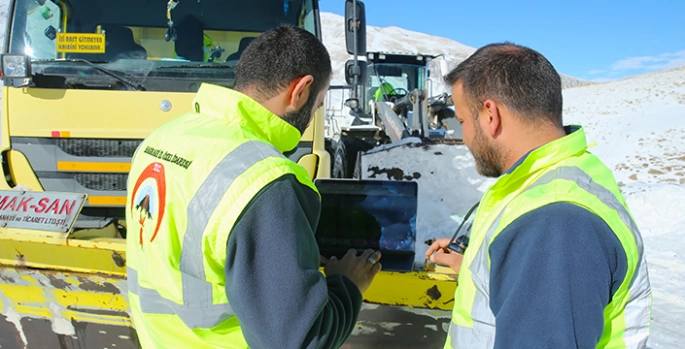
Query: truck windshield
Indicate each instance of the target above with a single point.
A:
(187, 41)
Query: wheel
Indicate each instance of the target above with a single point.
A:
(341, 162)
(329, 145)
(345, 158)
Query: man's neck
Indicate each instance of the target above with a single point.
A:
(531, 139)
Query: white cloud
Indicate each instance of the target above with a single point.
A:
(660, 62)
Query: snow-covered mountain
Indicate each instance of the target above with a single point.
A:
(394, 39)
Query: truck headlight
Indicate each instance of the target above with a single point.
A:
(15, 66)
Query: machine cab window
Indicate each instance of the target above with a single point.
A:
(390, 78)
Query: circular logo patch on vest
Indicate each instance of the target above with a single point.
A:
(149, 197)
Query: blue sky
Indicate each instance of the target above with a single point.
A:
(594, 40)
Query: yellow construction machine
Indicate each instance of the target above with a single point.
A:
(84, 82)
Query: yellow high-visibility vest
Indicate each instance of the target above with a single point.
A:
(189, 182)
(561, 171)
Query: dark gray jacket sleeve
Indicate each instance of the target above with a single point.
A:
(553, 272)
(273, 282)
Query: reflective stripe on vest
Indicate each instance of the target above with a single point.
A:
(636, 310)
(198, 310)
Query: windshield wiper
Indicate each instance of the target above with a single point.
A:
(135, 85)
(204, 65)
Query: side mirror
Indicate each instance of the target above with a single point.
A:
(359, 70)
(355, 27)
(15, 70)
(15, 66)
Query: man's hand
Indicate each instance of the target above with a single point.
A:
(438, 253)
(359, 269)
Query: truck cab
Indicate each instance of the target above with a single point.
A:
(87, 80)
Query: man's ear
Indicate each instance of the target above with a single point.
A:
(492, 118)
(298, 92)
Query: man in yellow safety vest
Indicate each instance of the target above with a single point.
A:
(221, 250)
(554, 258)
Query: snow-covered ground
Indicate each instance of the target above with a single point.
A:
(638, 124)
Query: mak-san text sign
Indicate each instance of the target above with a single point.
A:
(38, 210)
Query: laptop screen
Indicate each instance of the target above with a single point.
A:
(360, 214)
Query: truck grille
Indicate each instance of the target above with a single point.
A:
(102, 181)
(119, 148)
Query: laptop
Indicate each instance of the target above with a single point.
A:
(376, 214)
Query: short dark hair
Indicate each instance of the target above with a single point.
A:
(516, 76)
(279, 56)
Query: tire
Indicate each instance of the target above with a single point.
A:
(345, 158)
(329, 145)
(340, 162)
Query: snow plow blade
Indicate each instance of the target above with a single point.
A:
(448, 183)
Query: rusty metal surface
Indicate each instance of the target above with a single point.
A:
(49, 309)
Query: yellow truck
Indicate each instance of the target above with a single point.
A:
(84, 82)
